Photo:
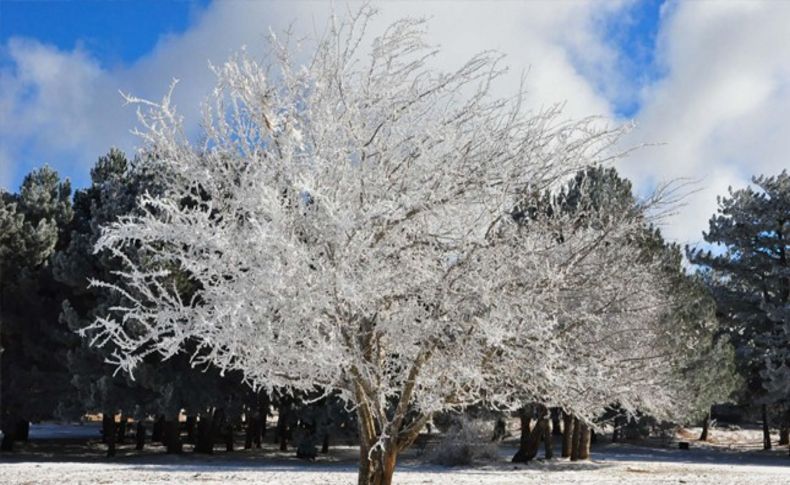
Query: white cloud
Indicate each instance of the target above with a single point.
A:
(722, 108)
(62, 108)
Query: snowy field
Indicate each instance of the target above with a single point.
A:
(731, 460)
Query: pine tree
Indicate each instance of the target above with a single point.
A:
(34, 377)
(749, 275)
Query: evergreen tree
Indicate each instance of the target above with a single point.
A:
(34, 376)
(749, 275)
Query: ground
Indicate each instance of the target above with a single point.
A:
(57, 455)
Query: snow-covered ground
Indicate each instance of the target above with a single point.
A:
(622, 464)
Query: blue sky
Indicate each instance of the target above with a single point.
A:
(707, 81)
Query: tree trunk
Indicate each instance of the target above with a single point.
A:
(617, 431)
(108, 433)
(526, 420)
(22, 430)
(172, 436)
(158, 431)
(205, 438)
(584, 441)
(555, 421)
(378, 467)
(325, 443)
(766, 429)
(567, 434)
(190, 425)
(500, 429)
(282, 430)
(784, 429)
(9, 431)
(122, 430)
(140, 435)
(252, 429)
(548, 440)
(530, 450)
(263, 414)
(575, 439)
(229, 436)
(705, 425)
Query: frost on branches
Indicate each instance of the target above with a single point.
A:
(347, 225)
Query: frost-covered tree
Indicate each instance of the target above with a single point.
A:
(33, 376)
(750, 278)
(346, 226)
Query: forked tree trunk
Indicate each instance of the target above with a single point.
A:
(567, 434)
(377, 467)
(530, 450)
(705, 425)
(575, 439)
(766, 429)
(585, 434)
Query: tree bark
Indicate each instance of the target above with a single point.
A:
(158, 431)
(22, 430)
(205, 438)
(584, 441)
(705, 425)
(766, 429)
(575, 439)
(122, 430)
(548, 440)
(140, 435)
(325, 443)
(526, 420)
(264, 414)
(555, 421)
(530, 450)
(567, 434)
(172, 436)
(784, 429)
(282, 429)
(190, 425)
(252, 429)
(108, 433)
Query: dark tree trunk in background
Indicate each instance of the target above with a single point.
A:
(548, 440)
(766, 429)
(228, 435)
(264, 414)
(205, 438)
(555, 421)
(22, 430)
(575, 439)
(530, 449)
(108, 430)
(140, 435)
(585, 434)
(9, 432)
(190, 426)
(252, 431)
(567, 434)
(784, 429)
(284, 415)
(122, 430)
(172, 438)
(158, 432)
(325, 443)
(524, 416)
(705, 427)
(499, 429)
(617, 431)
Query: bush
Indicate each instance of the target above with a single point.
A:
(466, 442)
